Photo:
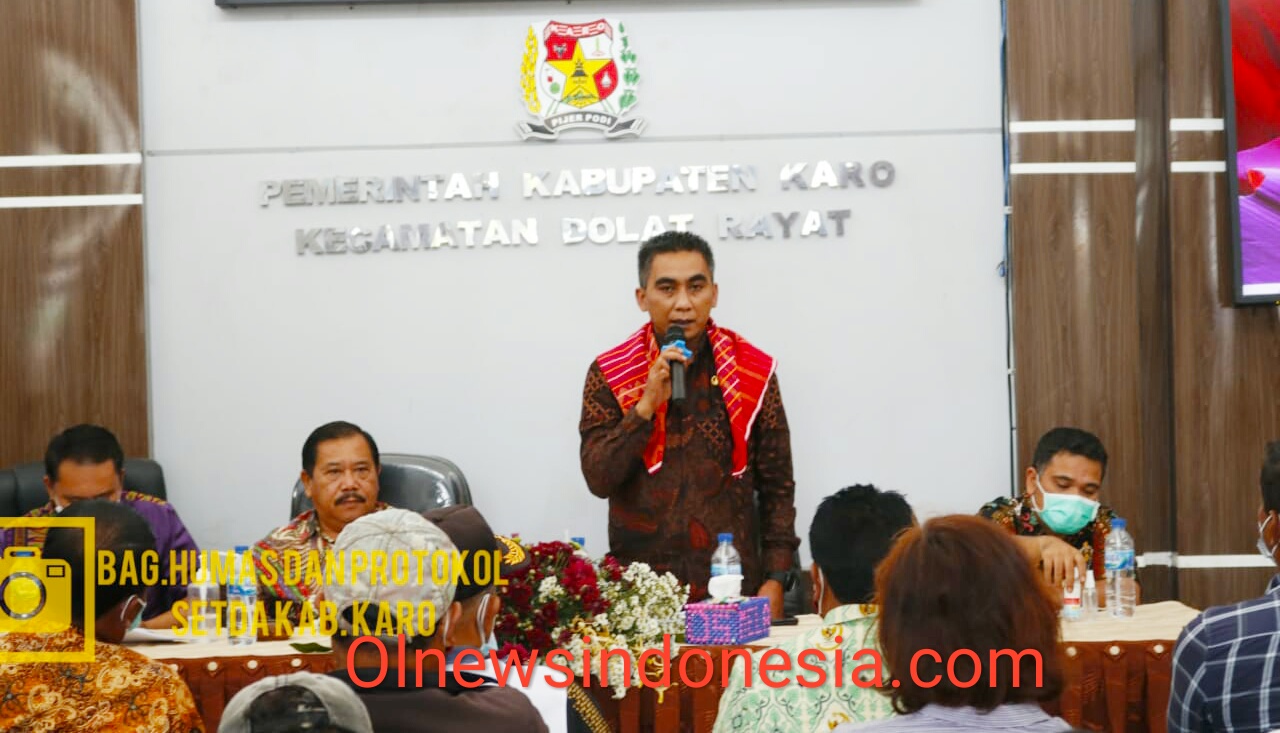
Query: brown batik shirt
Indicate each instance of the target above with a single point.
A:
(670, 519)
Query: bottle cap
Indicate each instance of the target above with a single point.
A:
(726, 537)
(241, 549)
(1118, 523)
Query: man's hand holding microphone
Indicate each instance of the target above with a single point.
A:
(666, 375)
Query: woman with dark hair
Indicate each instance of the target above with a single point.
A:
(969, 632)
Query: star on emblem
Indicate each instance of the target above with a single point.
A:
(580, 88)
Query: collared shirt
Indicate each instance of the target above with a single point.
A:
(452, 708)
(280, 562)
(171, 534)
(121, 690)
(1226, 668)
(1019, 518)
(670, 519)
(792, 707)
(1013, 718)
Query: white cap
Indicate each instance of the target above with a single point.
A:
(386, 532)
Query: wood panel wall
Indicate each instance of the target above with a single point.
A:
(72, 334)
(1122, 317)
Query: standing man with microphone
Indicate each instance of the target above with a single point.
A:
(683, 431)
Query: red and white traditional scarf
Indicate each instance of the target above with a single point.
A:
(742, 370)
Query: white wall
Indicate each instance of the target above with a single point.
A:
(890, 340)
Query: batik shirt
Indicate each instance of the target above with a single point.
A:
(799, 709)
(121, 690)
(1021, 520)
(285, 548)
(670, 518)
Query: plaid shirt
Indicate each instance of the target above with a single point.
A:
(1226, 668)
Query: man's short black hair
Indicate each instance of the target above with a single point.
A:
(1270, 478)
(668, 242)
(118, 530)
(289, 709)
(336, 430)
(851, 533)
(1075, 441)
(85, 444)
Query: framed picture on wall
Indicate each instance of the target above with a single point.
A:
(1251, 47)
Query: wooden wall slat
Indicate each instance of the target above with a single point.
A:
(1083, 251)
(73, 334)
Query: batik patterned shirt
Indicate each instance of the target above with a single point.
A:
(121, 690)
(670, 518)
(1018, 517)
(279, 561)
(799, 709)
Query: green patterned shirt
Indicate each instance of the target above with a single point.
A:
(798, 709)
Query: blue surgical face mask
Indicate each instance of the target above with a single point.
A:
(1065, 513)
(137, 618)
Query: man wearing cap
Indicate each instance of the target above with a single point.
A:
(340, 467)
(563, 709)
(296, 702)
(437, 700)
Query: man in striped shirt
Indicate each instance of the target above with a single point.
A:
(1226, 667)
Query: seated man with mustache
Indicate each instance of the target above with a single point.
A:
(340, 467)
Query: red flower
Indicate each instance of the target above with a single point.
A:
(1255, 57)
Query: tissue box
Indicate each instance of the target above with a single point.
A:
(735, 621)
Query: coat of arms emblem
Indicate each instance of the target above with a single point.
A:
(579, 75)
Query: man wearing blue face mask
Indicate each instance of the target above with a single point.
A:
(1225, 675)
(1058, 519)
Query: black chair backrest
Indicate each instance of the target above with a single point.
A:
(22, 486)
(416, 483)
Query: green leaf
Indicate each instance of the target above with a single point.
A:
(311, 648)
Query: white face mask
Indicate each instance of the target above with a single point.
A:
(822, 592)
(1267, 552)
(490, 642)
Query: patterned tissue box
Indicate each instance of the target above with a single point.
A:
(732, 621)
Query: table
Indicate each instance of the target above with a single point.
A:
(215, 671)
(1118, 677)
(1118, 674)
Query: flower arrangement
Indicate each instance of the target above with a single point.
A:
(564, 598)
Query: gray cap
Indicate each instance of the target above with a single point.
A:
(339, 707)
(393, 534)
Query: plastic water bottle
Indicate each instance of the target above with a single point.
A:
(1089, 597)
(725, 561)
(242, 599)
(1121, 571)
(203, 618)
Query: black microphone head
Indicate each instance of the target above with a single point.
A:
(674, 333)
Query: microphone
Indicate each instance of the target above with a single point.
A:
(675, 337)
